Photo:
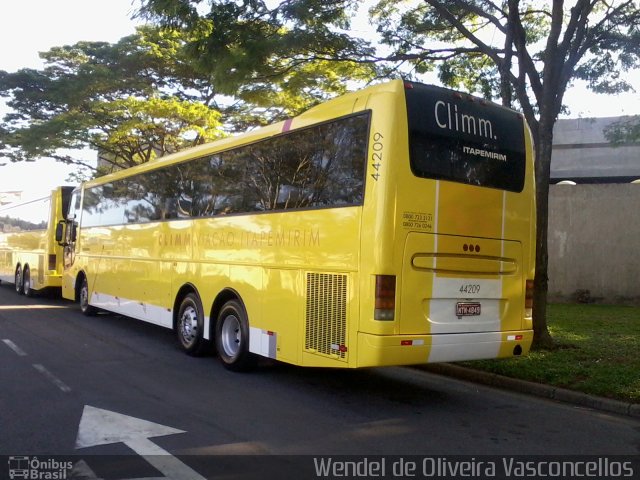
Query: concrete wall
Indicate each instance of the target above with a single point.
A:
(594, 242)
(581, 151)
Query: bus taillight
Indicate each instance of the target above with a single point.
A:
(385, 297)
(528, 300)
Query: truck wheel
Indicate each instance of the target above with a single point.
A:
(190, 326)
(26, 282)
(232, 338)
(18, 281)
(85, 308)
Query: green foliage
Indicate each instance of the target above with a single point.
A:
(164, 89)
(276, 61)
(131, 101)
(130, 125)
(596, 352)
(9, 224)
(624, 131)
(533, 48)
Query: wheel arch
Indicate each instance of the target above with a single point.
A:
(78, 284)
(185, 290)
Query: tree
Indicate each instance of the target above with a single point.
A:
(524, 52)
(277, 61)
(131, 101)
(624, 131)
(151, 94)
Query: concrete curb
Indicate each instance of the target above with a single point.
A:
(536, 389)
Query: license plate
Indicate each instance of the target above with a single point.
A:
(467, 309)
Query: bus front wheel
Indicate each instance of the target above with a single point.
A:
(232, 337)
(85, 308)
(190, 326)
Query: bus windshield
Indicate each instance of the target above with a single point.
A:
(456, 137)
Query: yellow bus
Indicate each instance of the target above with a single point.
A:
(390, 226)
(30, 256)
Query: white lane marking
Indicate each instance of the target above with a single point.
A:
(31, 307)
(102, 427)
(14, 347)
(52, 378)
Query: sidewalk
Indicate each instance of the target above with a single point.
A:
(537, 389)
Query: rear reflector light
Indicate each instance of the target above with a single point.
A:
(528, 299)
(52, 261)
(385, 303)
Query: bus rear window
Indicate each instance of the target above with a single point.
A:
(456, 137)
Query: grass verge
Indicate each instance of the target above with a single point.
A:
(597, 352)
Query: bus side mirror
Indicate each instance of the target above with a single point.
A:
(74, 232)
(60, 232)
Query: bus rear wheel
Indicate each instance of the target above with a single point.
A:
(18, 281)
(26, 282)
(190, 326)
(232, 337)
(85, 308)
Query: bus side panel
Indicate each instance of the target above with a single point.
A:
(282, 311)
(148, 291)
(281, 253)
(23, 248)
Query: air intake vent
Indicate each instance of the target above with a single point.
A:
(326, 316)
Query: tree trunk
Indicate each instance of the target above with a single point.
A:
(541, 337)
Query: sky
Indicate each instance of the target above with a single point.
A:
(31, 26)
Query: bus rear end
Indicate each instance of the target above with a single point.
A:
(455, 281)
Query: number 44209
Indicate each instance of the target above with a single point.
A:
(470, 289)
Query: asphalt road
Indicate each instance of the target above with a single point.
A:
(59, 369)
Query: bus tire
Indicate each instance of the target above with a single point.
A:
(26, 282)
(85, 308)
(232, 338)
(190, 326)
(18, 281)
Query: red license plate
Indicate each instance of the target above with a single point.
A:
(467, 309)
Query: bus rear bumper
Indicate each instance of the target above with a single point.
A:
(381, 350)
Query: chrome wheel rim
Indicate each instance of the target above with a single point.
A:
(189, 325)
(230, 335)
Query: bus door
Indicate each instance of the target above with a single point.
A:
(71, 232)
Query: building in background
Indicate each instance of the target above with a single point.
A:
(594, 215)
(583, 154)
